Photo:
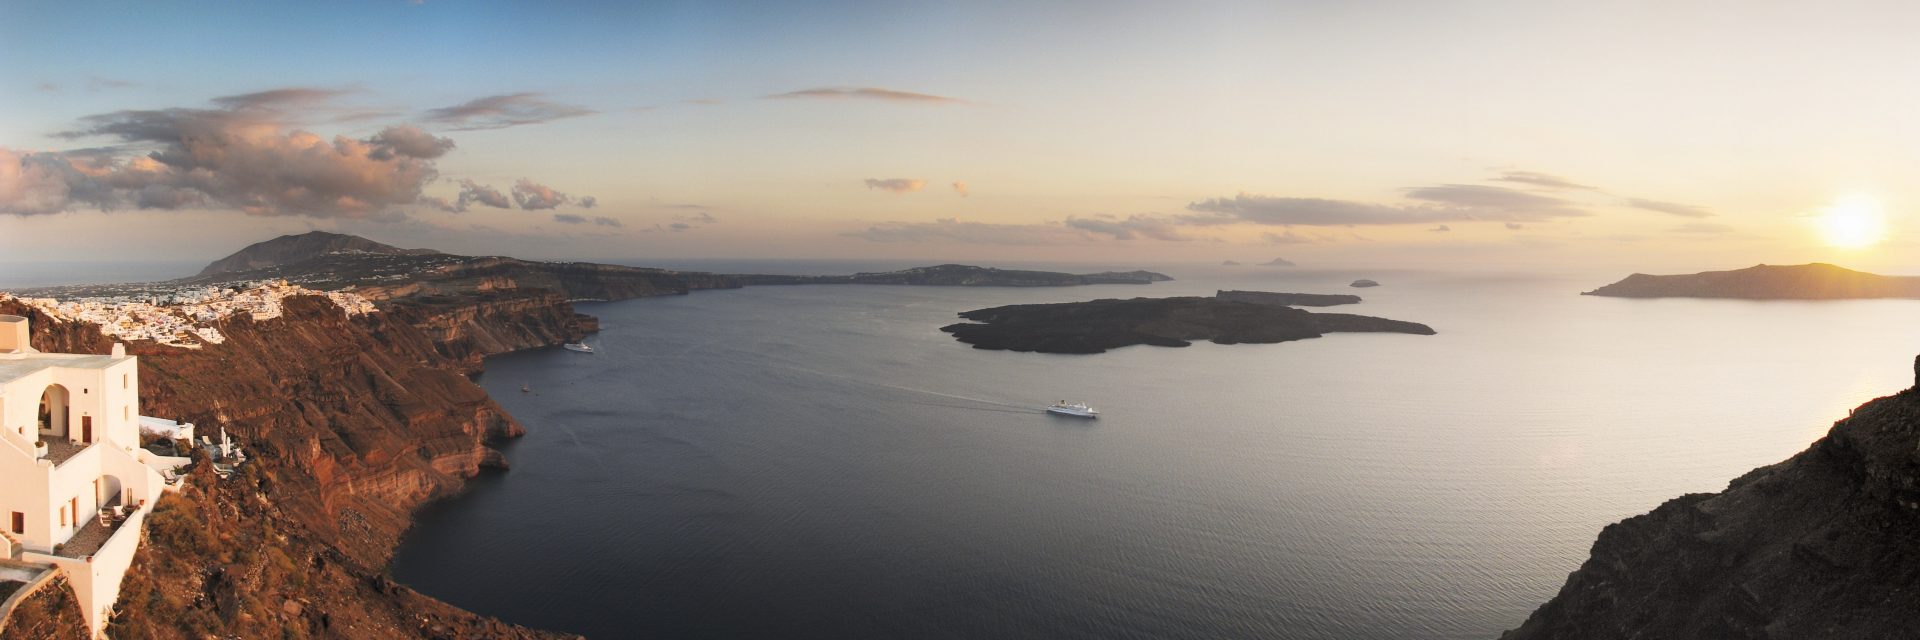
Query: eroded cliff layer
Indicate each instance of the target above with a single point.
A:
(1823, 545)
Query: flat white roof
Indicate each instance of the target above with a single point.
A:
(16, 366)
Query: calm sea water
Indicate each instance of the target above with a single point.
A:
(822, 462)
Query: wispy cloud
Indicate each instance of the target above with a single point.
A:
(952, 230)
(1128, 228)
(896, 185)
(1702, 228)
(1671, 208)
(960, 187)
(1538, 179)
(865, 93)
(1441, 229)
(502, 111)
(1442, 203)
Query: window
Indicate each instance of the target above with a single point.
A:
(126, 413)
(123, 381)
(63, 516)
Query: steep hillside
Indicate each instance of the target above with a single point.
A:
(293, 249)
(1823, 545)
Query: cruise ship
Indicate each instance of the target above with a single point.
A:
(1077, 409)
(578, 346)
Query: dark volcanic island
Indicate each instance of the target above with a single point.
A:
(1227, 318)
(1817, 281)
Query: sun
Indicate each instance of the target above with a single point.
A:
(1854, 222)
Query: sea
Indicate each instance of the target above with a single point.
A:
(823, 462)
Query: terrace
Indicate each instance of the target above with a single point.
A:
(60, 450)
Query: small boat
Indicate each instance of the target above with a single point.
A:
(576, 346)
(525, 389)
(1077, 409)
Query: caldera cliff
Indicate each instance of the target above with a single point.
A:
(1823, 545)
(352, 423)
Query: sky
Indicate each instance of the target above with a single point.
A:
(1657, 136)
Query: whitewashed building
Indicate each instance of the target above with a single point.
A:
(75, 486)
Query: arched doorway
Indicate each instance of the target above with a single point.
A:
(53, 411)
(109, 491)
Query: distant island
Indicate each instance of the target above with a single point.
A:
(1363, 283)
(1099, 325)
(1229, 263)
(1817, 281)
(960, 275)
(1288, 299)
(1277, 262)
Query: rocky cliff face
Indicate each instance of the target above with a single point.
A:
(1823, 545)
(52, 613)
(353, 423)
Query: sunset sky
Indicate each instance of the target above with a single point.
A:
(1675, 136)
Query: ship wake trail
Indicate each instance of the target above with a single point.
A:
(1003, 406)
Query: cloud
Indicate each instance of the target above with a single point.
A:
(409, 141)
(472, 192)
(866, 93)
(1484, 202)
(1271, 210)
(1682, 210)
(589, 202)
(532, 195)
(1702, 228)
(1286, 237)
(1516, 226)
(33, 183)
(956, 231)
(276, 99)
(96, 83)
(679, 226)
(607, 222)
(1129, 228)
(568, 218)
(502, 111)
(702, 218)
(241, 156)
(896, 185)
(1537, 179)
(1441, 229)
(960, 187)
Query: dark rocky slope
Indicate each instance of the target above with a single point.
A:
(52, 613)
(1823, 545)
(1099, 325)
(1815, 281)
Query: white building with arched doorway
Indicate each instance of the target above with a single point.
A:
(75, 486)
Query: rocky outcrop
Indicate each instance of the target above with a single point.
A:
(1823, 545)
(1099, 325)
(468, 328)
(1815, 281)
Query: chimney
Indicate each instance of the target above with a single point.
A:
(119, 350)
(14, 337)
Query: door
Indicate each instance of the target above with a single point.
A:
(86, 429)
(19, 523)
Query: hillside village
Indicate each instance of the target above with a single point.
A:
(184, 316)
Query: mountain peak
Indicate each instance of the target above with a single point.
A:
(291, 249)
